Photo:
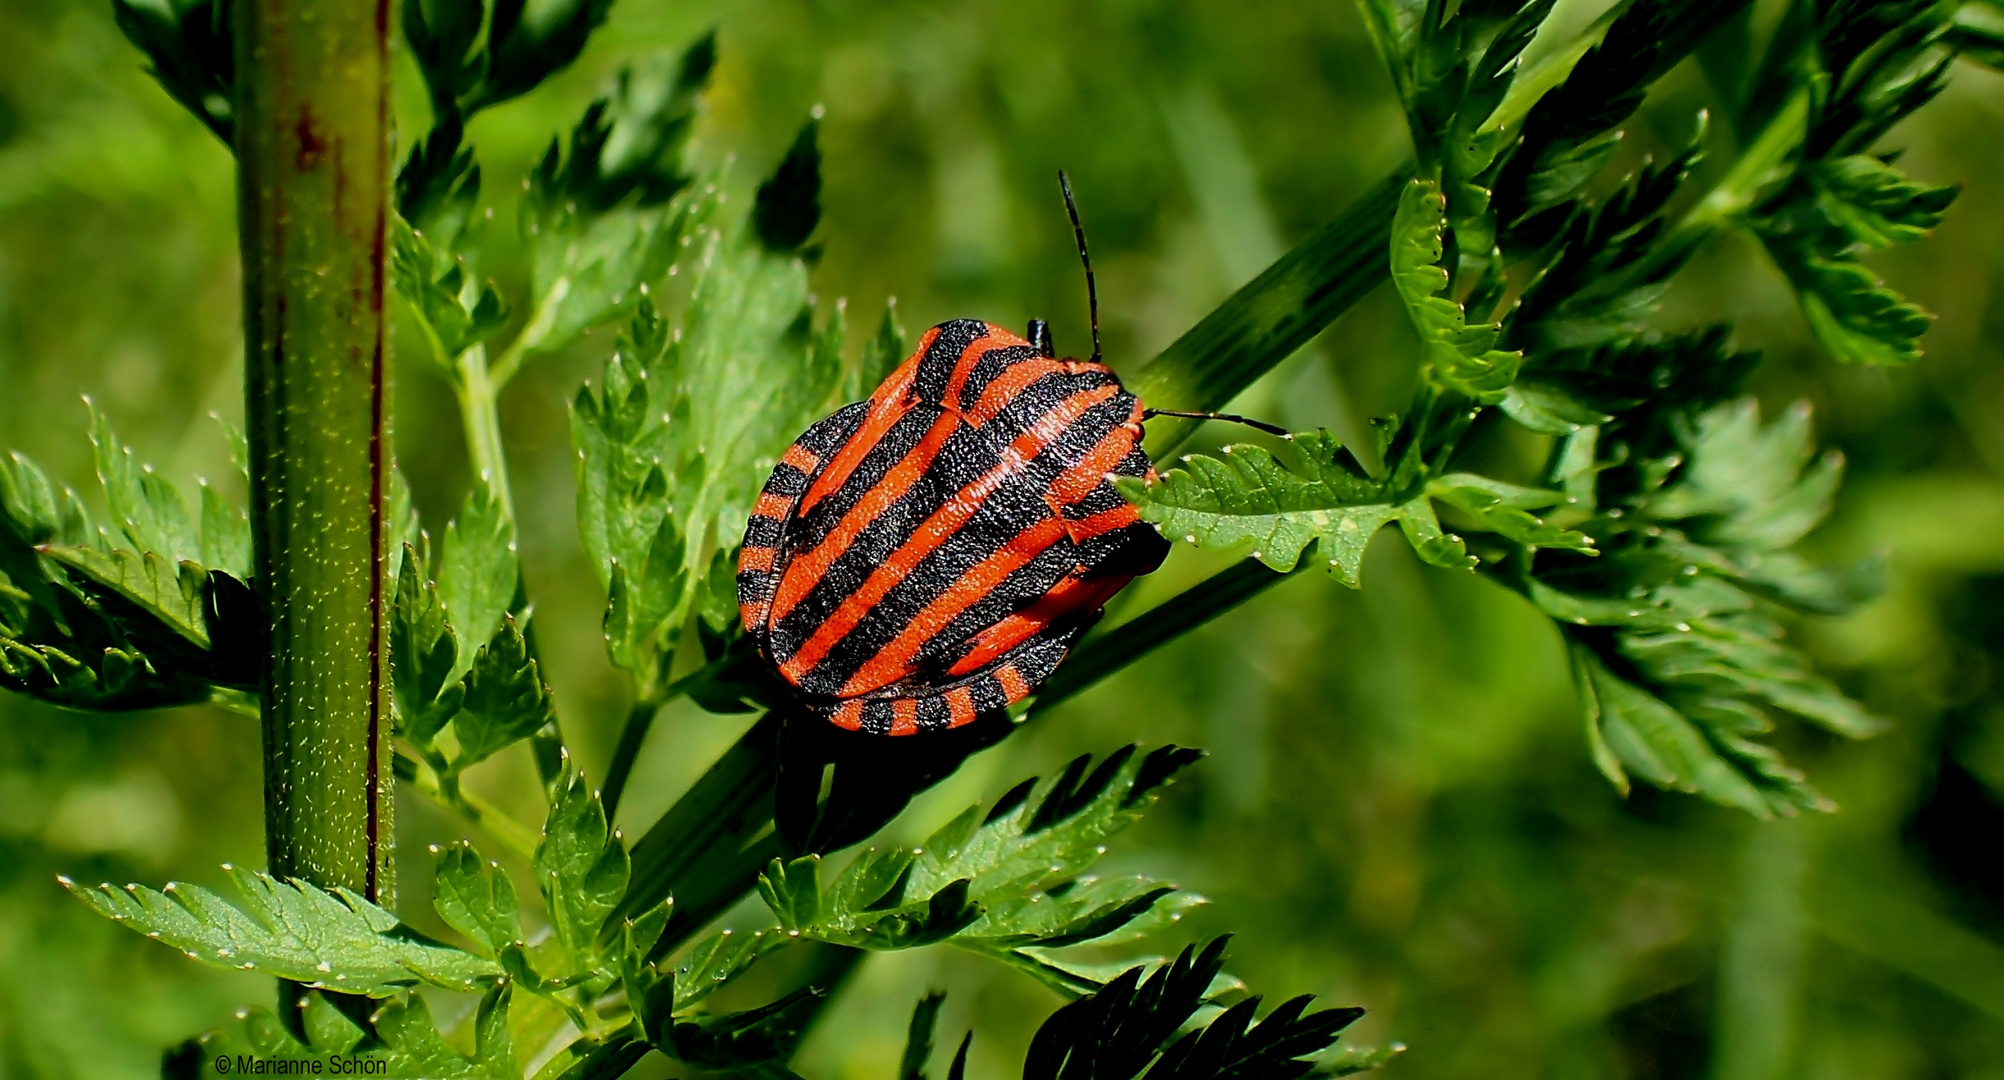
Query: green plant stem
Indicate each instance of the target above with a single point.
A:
(532, 335)
(426, 780)
(313, 169)
(480, 414)
(1760, 164)
(640, 720)
(707, 850)
(1275, 314)
(620, 768)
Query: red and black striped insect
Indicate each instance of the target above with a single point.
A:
(928, 556)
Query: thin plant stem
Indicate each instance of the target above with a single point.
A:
(533, 335)
(620, 768)
(480, 414)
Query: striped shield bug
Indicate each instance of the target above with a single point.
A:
(928, 556)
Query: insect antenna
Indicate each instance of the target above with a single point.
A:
(1078, 231)
(1232, 418)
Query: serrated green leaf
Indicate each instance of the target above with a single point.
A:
(996, 886)
(423, 655)
(477, 572)
(1249, 499)
(505, 699)
(226, 537)
(1732, 658)
(597, 215)
(1634, 732)
(1790, 579)
(750, 336)
(1547, 409)
(581, 869)
(1132, 1026)
(1575, 126)
(106, 679)
(590, 270)
(717, 601)
(642, 603)
(86, 624)
(1160, 917)
(719, 958)
(1680, 685)
(608, 1057)
(1506, 509)
(1452, 71)
(747, 336)
(443, 35)
(455, 311)
(1752, 486)
(792, 890)
(1433, 545)
(1458, 357)
(1563, 171)
(144, 505)
(413, 1046)
(1846, 203)
(40, 511)
(173, 594)
(1874, 203)
(291, 930)
(650, 990)
(796, 896)
(1086, 909)
(475, 897)
(638, 936)
(1850, 310)
(1050, 835)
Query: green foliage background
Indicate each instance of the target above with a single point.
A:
(1398, 811)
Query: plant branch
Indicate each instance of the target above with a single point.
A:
(480, 414)
(532, 335)
(631, 736)
(1271, 317)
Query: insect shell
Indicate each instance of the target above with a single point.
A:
(927, 557)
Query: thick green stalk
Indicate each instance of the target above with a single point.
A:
(480, 411)
(313, 188)
(1266, 321)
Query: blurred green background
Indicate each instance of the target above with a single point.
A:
(1398, 811)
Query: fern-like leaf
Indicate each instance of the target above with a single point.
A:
(292, 930)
